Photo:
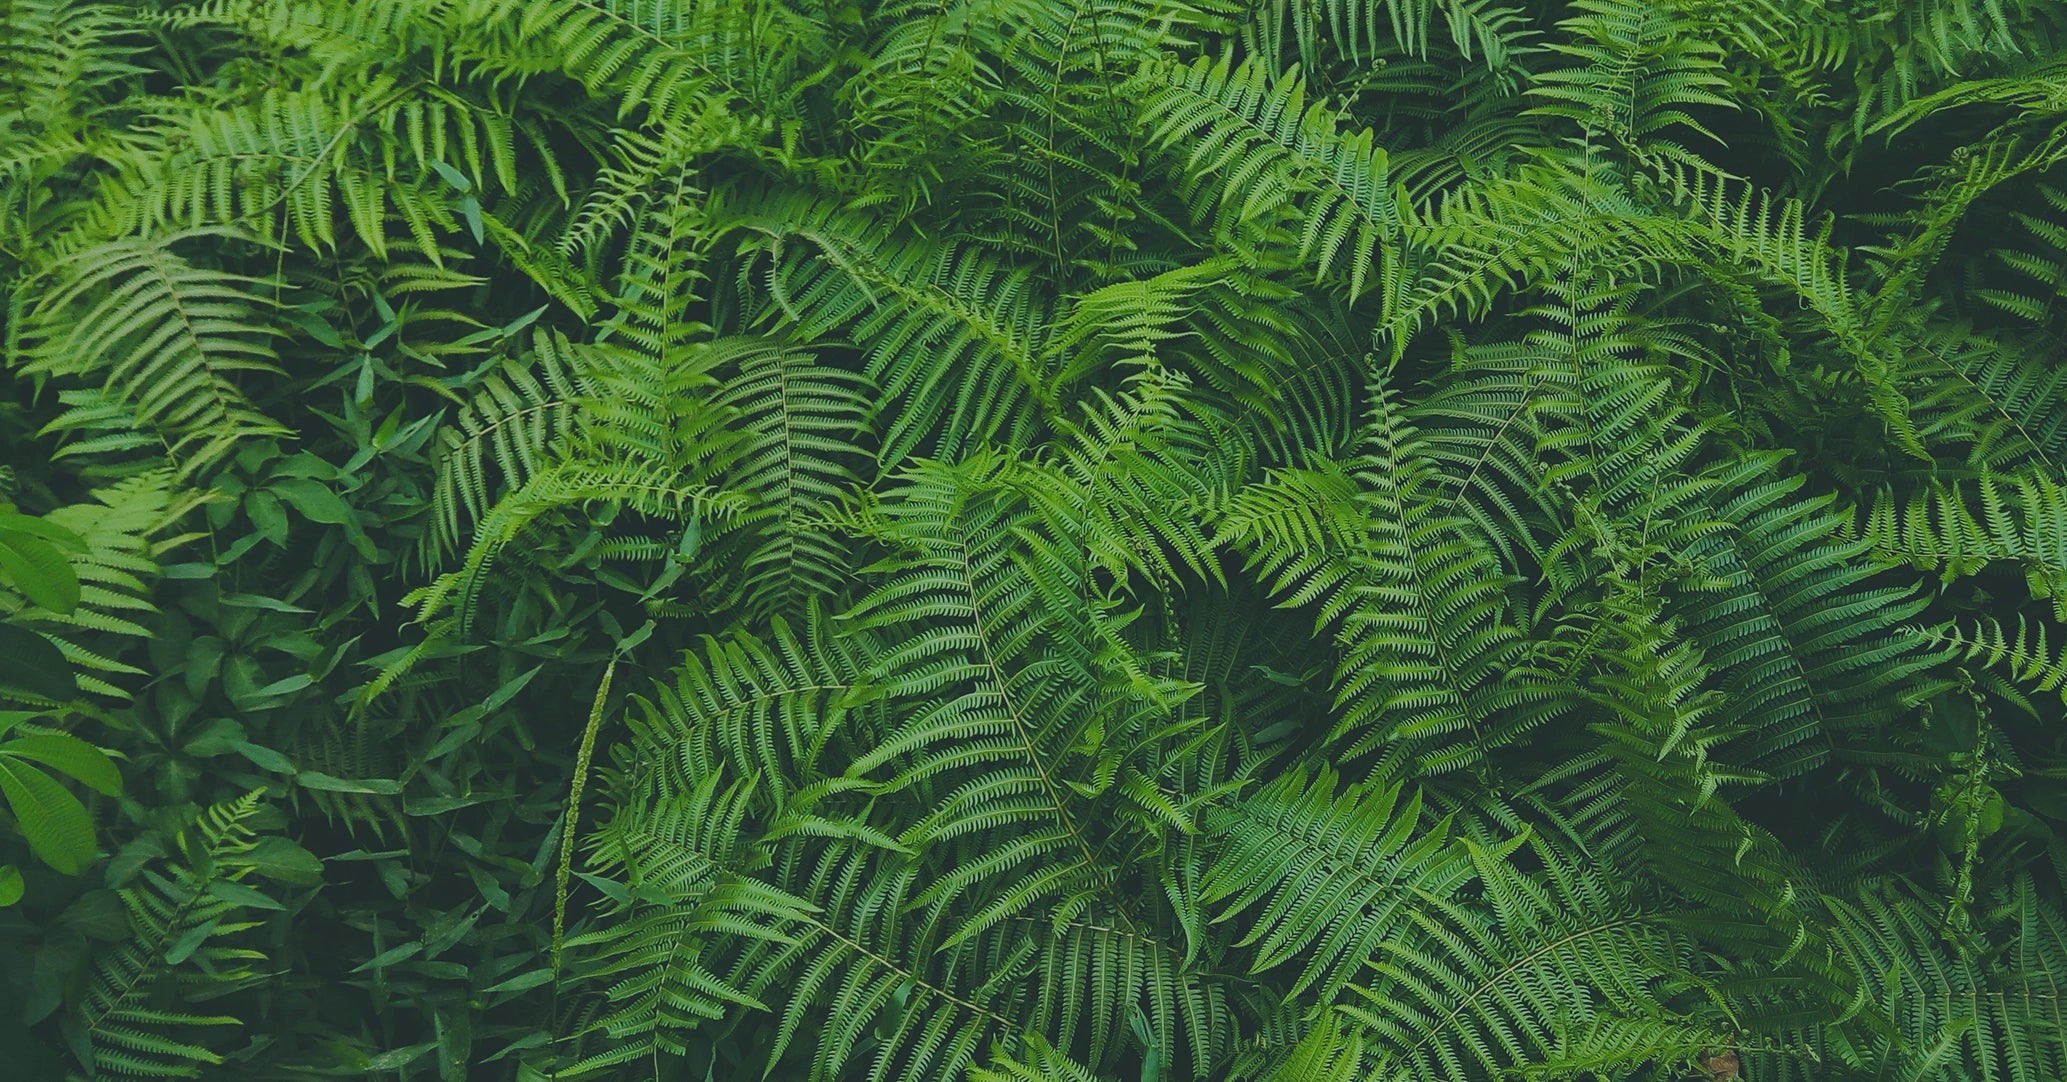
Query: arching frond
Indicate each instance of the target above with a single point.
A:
(1001, 637)
(170, 339)
(185, 916)
(127, 528)
(956, 340)
(2026, 653)
(1255, 149)
(802, 421)
(1467, 992)
(517, 415)
(1958, 530)
(1336, 872)
(1807, 646)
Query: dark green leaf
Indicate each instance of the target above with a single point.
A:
(49, 816)
(36, 568)
(70, 755)
(34, 664)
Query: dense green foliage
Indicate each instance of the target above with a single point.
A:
(1034, 540)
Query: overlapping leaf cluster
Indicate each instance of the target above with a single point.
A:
(1034, 540)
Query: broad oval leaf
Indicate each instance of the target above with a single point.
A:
(50, 817)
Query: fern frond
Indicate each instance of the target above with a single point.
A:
(1300, 527)
(1258, 156)
(927, 81)
(956, 340)
(1432, 668)
(1660, 791)
(292, 165)
(181, 918)
(126, 528)
(1507, 233)
(69, 62)
(1930, 1008)
(638, 486)
(770, 706)
(1958, 529)
(802, 422)
(1328, 874)
(1529, 968)
(168, 338)
(2041, 267)
(999, 645)
(1066, 192)
(1039, 1063)
(643, 54)
(1479, 30)
(685, 864)
(512, 421)
(2025, 653)
(1807, 646)
(1145, 471)
(1106, 988)
(1642, 68)
(1992, 401)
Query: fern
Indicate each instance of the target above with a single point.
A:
(1478, 30)
(802, 420)
(1526, 975)
(1066, 176)
(512, 422)
(70, 62)
(170, 339)
(829, 921)
(1645, 67)
(1143, 476)
(2025, 652)
(996, 636)
(956, 339)
(126, 530)
(1959, 530)
(643, 54)
(1336, 874)
(1423, 611)
(1254, 146)
(299, 161)
(1938, 1009)
(1987, 400)
(2040, 268)
(1163, 539)
(1809, 650)
(132, 1018)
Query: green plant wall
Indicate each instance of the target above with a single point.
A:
(1034, 540)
